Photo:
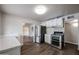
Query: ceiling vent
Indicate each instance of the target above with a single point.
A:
(70, 17)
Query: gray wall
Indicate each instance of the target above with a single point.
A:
(71, 34)
(13, 25)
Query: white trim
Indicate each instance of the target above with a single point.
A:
(71, 42)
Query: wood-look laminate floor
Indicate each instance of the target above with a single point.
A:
(30, 48)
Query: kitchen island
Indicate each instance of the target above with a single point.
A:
(9, 46)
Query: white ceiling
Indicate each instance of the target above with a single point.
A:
(27, 10)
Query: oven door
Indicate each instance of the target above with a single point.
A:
(55, 40)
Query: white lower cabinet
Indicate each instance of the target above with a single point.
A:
(38, 39)
(48, 38)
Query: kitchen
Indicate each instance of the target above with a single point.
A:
(39, 29)
(56, 33)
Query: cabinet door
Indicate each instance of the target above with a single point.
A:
(48, 23)
(59, 22)
(51, 23)
(38, 39)
(48, 39)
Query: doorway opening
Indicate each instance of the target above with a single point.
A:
(27, 39)
(71, 32)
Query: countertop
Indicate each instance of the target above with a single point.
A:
(8, 42)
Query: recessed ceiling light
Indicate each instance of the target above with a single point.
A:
(41, 9)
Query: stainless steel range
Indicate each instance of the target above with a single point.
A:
(57, 40)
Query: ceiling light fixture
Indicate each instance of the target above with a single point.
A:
(41, 9)
(75, 24)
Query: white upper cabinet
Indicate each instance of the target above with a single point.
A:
(51, 23)
(58, 22)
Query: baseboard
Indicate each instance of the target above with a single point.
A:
(71, 43)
